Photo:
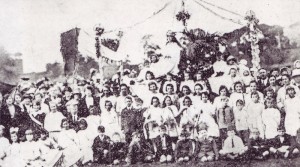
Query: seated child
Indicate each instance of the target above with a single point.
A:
(101, 146)
(139, 151)
(184, 147)
(163, 146)
(13, 156)
(233, 147)
(4, 144)
(257, 147)
(295, 147)
(50, 153)
(117, 150)
(206, 147)
(279, 146)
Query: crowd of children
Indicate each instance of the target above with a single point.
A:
(166, 119)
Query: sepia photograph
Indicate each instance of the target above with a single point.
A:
(149, 83)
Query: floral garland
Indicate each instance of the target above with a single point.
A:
(183, 16)
(254, 35)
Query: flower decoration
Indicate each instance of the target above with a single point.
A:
(183, 16)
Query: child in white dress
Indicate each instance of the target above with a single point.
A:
(270, 118)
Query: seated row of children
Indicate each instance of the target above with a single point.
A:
(106, 150)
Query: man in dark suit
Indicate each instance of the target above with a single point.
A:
(128, 119)
(72, 114)
(263, 80)
(163, 146)
(101, 146)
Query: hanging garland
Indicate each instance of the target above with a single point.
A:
(253, 36)
(183, 15)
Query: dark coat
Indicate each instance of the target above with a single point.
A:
(158, 144)
(276, 143)
(128, 120)
(184, 148)
(98, 148)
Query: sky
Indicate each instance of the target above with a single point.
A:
(33, 27)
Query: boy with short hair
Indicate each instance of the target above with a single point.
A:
(117, 149)
(138, 151)
(233, 147)
(295, 146)
(184, 147)
(257, 147)
(280, 144)
(206, 147)
(101, 146)
(163, 146)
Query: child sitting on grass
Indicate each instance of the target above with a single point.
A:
(279, 146)
(257, 147)
(184, 147)
(233, 147)
(206, 147)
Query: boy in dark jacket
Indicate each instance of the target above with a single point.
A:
(295, 146)
(280, 145)
(163, 146)
(117, 150)
(101, 146)
(139, 150)
(257, 147)
(184, 147)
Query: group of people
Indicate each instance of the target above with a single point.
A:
(169, 118)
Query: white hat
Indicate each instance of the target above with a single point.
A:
(230, 58)
(243, 62)
(295, 62)
(296, 72)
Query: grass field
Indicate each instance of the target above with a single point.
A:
(266, 163)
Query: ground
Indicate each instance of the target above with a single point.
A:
(267, 163)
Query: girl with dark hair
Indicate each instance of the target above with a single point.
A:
(85, 142)
(69, 143)
(270, 118)
(153, 117)
(238, 93)
(170, 119)
(223, 94)
(13, 156)
(254, 110)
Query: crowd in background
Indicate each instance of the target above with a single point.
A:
(170, 118)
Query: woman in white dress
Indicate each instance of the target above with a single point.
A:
(68, 142)
(270, 118)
